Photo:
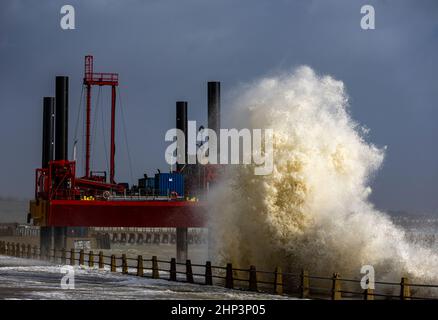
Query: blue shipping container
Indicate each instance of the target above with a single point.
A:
(167, 183)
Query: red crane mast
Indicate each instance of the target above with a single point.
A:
(92, 78)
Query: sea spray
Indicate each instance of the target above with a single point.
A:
(313, 211)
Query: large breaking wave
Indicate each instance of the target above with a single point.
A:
(313, 211)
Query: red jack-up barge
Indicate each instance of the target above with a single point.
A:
(63, 200)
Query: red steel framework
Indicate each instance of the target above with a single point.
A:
(62, 199)
(92, 78)
(60, 202)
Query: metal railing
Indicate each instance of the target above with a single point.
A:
(299, 284)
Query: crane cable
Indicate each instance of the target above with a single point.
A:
(104, 140)
(125, 135)
(103, 128)
(77, 118)
(93, 134)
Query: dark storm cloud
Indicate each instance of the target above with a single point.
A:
(167, 50)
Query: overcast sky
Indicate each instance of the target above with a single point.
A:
(166, 51)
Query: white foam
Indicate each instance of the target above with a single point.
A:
(313, 212)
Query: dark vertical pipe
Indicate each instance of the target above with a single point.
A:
(59, 238)
(61, 133)
(181, 244)
(214, 123)
(214, 106)
(46, 233)
(48, 130)
(61, 144)
(46, 236)
(182, 124)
